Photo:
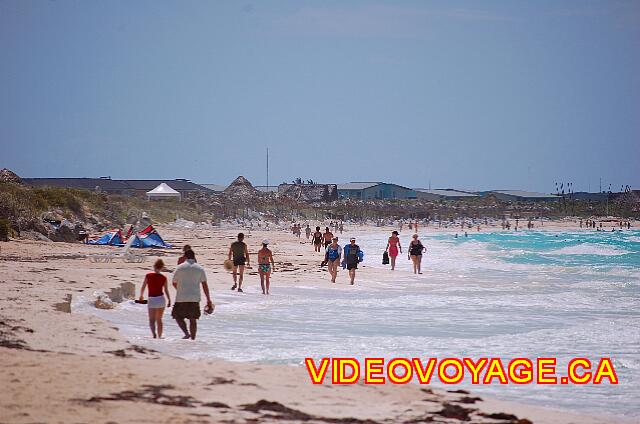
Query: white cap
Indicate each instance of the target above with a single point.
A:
(265, 241)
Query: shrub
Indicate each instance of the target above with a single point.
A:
(5, 229)
(59, 198)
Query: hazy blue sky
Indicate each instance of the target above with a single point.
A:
(465, 94)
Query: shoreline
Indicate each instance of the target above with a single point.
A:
(94, 368)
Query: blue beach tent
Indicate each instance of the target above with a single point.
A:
(148, 237)
(111, 238)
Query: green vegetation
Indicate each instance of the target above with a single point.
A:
(5, 229)
(17, 198)
(23, 207)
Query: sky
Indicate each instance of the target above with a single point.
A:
(473, 95)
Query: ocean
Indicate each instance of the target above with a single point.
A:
(504, 294)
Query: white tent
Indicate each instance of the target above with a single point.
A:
(163, 191)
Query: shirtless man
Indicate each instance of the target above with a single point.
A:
(317, 240)
(240, 254)
(265, 266)
(328, 236)
(308, 231)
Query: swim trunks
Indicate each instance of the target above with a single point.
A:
(186, 310)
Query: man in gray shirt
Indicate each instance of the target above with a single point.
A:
(187, 280)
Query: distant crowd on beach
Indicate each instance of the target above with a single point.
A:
(351, 254)
(589, 223)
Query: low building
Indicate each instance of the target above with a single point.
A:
(105, 184)
(589, 197)
(521, 196)
(216, 188)
(180, 185)
(444, 194)
(126, 187)
(374, 190)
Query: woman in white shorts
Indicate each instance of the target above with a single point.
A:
(158, 289)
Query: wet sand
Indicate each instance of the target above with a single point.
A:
(60, 366)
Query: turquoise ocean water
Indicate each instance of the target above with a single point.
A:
(525, 294)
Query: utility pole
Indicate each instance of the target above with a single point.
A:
(600, 184)
(267, 170)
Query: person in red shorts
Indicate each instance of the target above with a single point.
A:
(158, 289)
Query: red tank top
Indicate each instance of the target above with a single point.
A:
(156, 284)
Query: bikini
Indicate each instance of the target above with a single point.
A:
(265, 268)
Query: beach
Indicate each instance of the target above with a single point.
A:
(495, 140)
(66, 361)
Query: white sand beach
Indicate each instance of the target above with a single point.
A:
(64, 363)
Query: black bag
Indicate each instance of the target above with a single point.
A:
(385, 258)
